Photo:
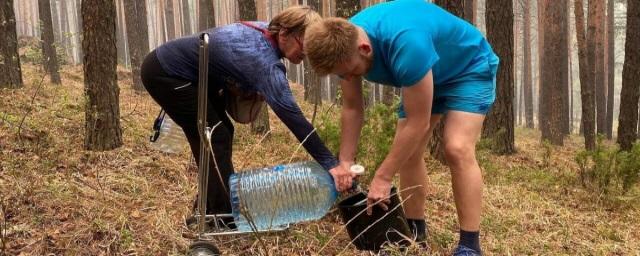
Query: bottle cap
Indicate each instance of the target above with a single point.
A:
(357, 169)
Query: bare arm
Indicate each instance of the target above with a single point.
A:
(417, 101)
(352, 118)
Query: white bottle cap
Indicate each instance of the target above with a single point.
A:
(357, 169)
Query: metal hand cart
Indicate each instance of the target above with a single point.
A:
(203, 246)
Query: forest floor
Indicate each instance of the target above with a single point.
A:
(58, 199)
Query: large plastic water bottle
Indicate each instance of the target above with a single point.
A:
(267, 198)
(168, 137)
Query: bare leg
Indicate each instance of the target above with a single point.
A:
(461, 132)
(414, 173)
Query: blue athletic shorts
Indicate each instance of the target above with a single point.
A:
(473, 96)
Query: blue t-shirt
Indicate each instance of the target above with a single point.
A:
(411, 37)
(242, 55)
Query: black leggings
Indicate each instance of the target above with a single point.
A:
(179, 98)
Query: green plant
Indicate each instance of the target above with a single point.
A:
(546, 153)
(126, 238)
(608, 170)
(32, 53)
(628, 168)
(376, 136)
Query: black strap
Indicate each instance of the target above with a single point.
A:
(156, 126)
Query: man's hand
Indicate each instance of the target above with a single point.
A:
(379, 192)
(342, 176)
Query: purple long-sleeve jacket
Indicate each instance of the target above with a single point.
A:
(243, 55)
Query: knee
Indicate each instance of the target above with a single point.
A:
(457, 153)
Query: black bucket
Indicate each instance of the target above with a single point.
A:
(392, 229)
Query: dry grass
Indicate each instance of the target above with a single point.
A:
(59, 199)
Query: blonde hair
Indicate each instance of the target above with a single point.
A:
(329, 42)
(293, 20)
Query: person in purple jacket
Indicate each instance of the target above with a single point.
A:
(244, 58)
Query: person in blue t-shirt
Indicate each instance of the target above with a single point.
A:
(244, 59)
(446, 71)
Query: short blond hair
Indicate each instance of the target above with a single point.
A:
(329, 42)
(293, 20)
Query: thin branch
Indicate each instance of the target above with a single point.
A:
(33, 98)
(300, 144)
(264, 136)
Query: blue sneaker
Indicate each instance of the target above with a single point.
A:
(462, 250)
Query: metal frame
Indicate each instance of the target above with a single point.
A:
(206, 150)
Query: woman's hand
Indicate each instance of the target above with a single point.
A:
(342, 176)
(379, 192)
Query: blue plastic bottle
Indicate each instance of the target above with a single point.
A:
(280, 195)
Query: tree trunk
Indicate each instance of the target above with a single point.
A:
(247, 10)
(312, 80)
(594, 32)
(206, 19)
(564, 65)
(102, 112)
(9, 59)
(527, 87)
(571, 118)
(16, 15)
(186, 18)
(499, 122)
(542, 119)
(456, 7)
(516, 85)
(120, 34)
(159, 23)
(554, 60)
(136, 21)
(65, 41)
(261, 124)
(169, 21)
(388, 95)
(611, 66)
(470, 11)
(50, 59)
(35, 18)
(55, 19)
(628, 127)
(586, 82)
(313, 85)
(329, 10)
(78, 41)
(347, 8)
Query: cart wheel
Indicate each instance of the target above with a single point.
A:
(203, 248)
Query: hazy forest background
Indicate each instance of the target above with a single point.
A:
(559, 150)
